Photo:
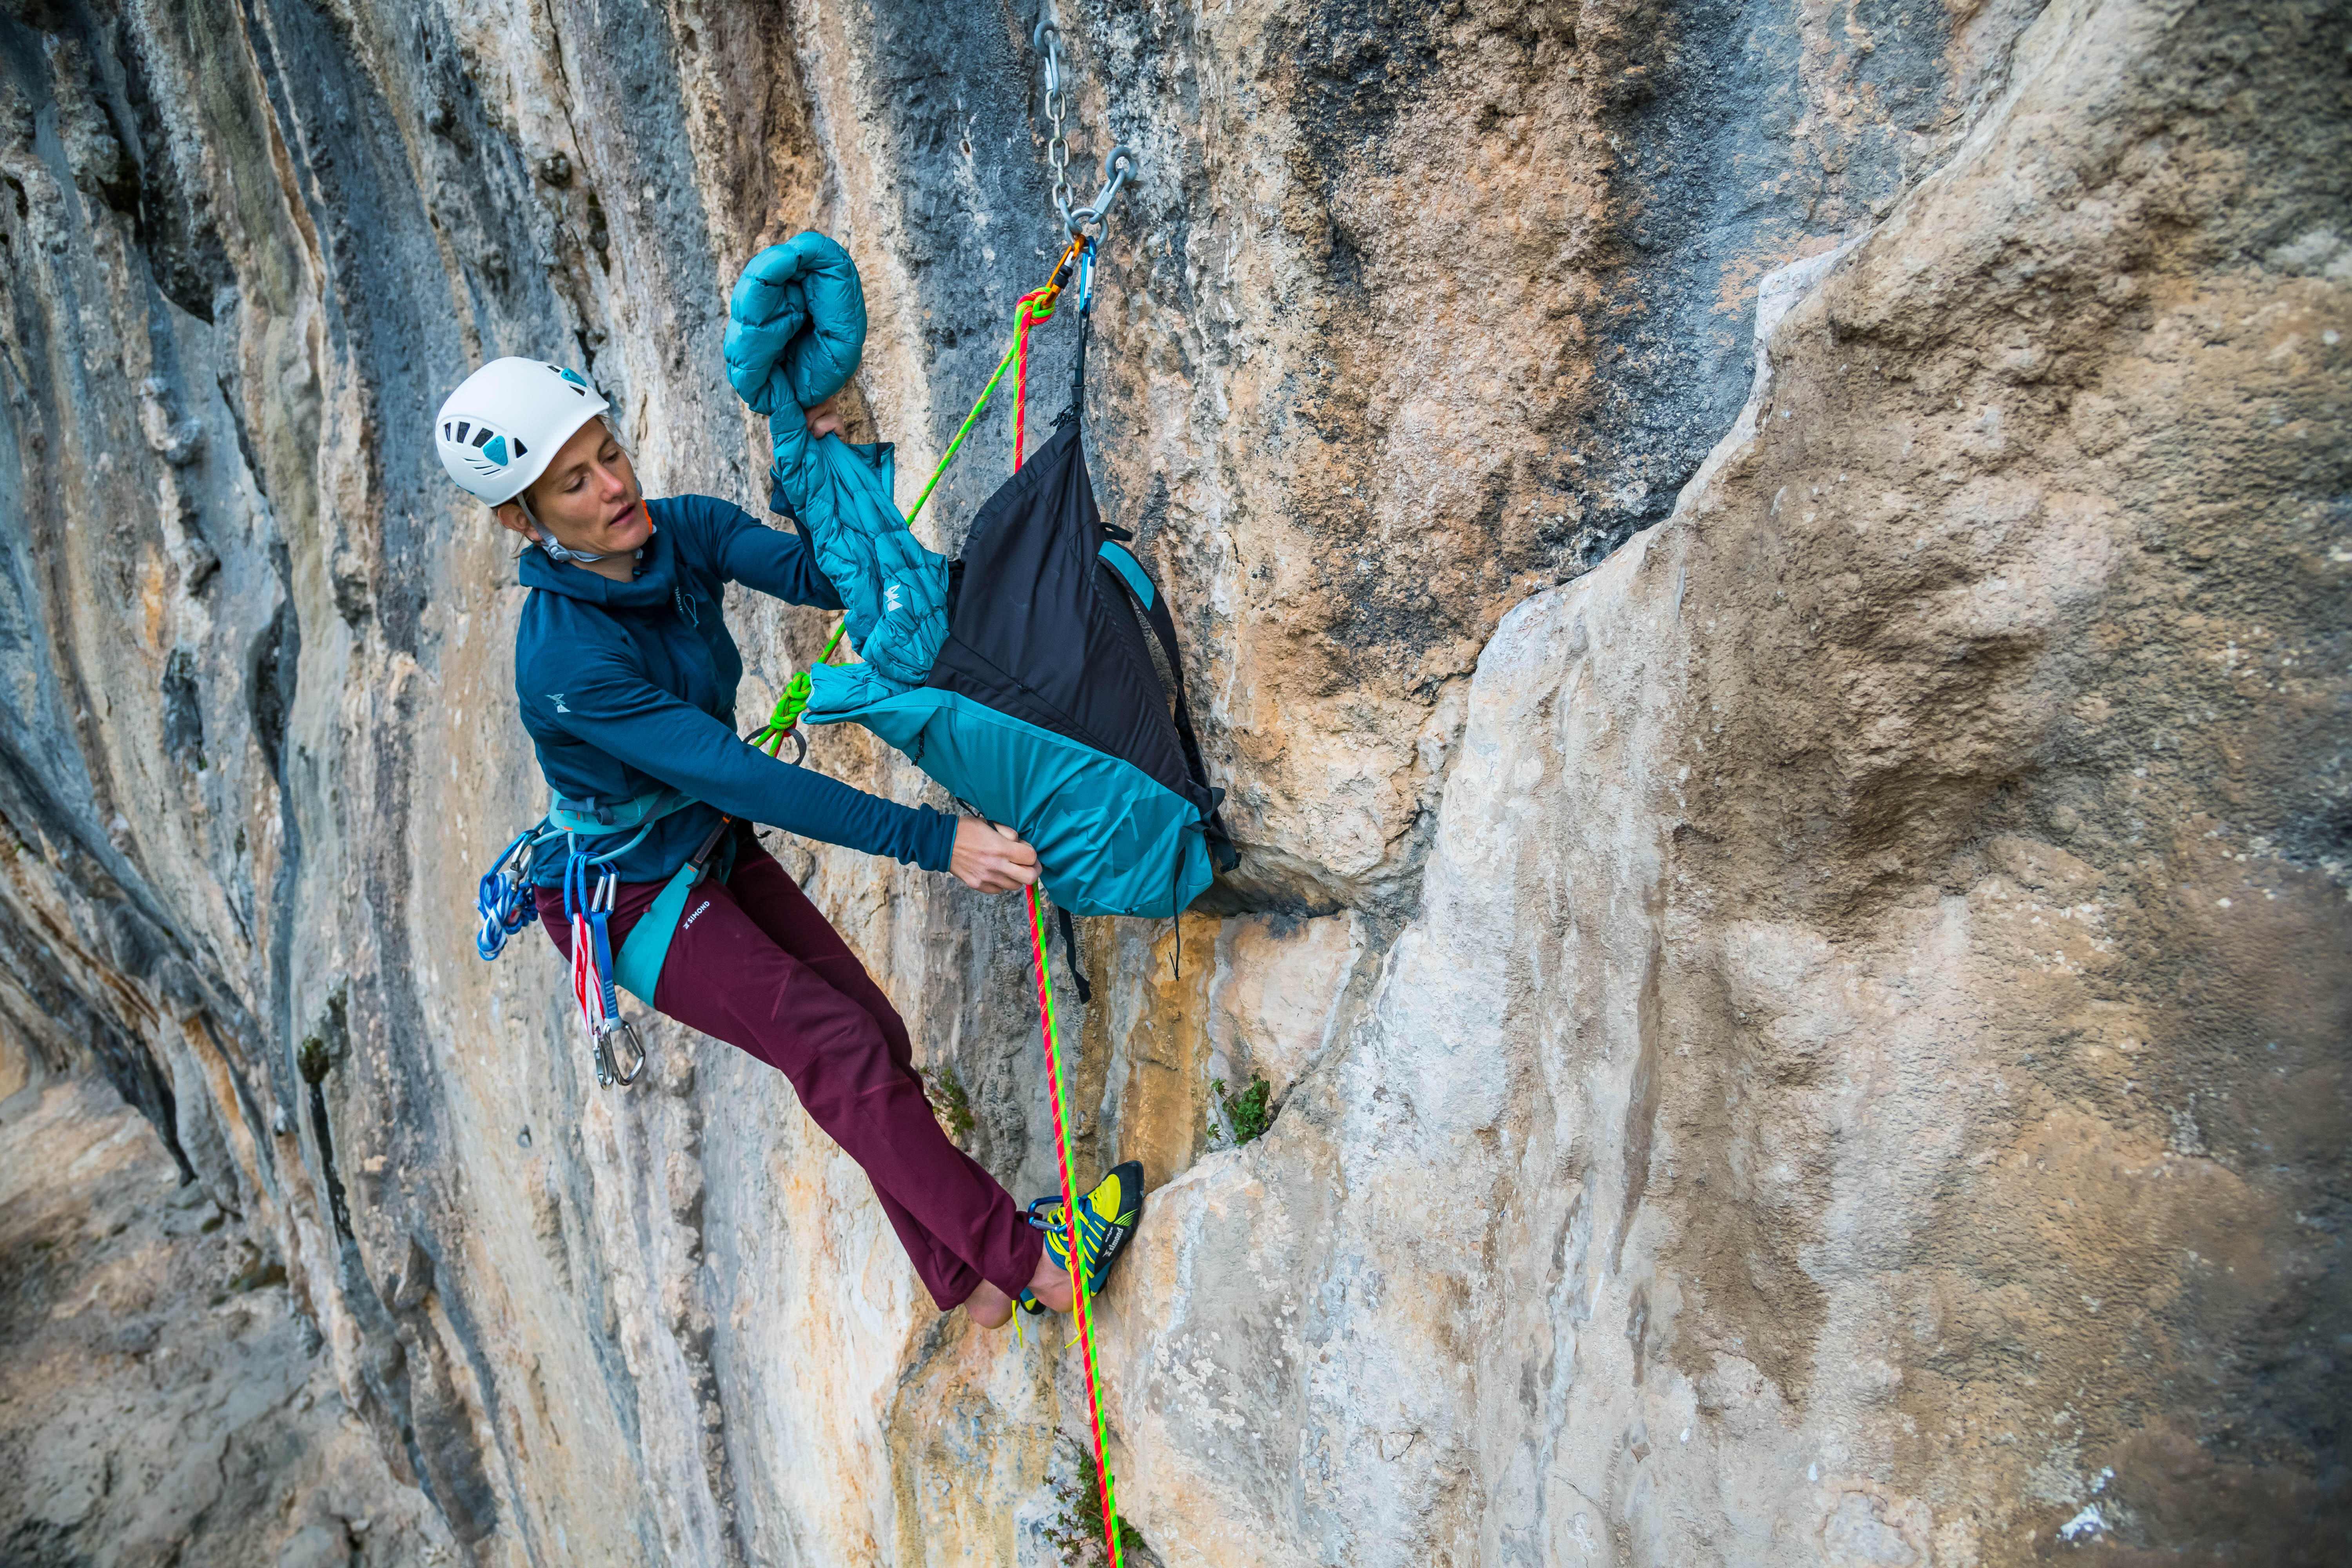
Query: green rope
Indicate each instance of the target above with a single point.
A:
(769, 737)
(1028, 315)
(1079, 1252)
(965, 430)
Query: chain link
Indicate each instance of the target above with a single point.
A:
(1116, 167)
(1057, 145)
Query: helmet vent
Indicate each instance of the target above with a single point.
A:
(462, 428)
(482, 437)
(520, 450)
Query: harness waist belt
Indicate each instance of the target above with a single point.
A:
(637, 966)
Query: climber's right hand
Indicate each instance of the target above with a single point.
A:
(992, 858)
(824, 419)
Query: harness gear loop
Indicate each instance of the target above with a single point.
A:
(504, 898)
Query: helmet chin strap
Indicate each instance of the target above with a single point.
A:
(558, 552)
(545, 539)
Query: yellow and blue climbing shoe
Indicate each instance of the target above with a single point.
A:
(1106, 1221)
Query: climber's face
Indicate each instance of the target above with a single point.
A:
(587, 498)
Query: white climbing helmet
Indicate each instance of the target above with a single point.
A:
(500, 429)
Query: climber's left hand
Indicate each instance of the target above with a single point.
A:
(824, 419)
(991, 858)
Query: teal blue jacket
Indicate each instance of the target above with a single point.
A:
(625, 686)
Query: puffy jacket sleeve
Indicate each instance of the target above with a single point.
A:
(739, 548)
(610, 706)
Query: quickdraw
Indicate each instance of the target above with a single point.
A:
(590, 912)
(504, 901)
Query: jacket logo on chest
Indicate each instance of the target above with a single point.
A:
(557, 698)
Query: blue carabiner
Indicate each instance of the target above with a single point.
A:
(600, 912)
(575, 883)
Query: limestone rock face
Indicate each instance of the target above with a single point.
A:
(166, 1403)
(1768, 588)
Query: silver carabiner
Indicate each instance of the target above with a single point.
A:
(636, 1050)
(608, 1062)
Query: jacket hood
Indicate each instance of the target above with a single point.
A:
(649, 590)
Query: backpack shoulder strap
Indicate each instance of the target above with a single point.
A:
(1152, 606)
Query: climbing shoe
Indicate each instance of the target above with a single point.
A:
(1106, 1219)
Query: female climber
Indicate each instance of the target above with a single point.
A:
(626, 678)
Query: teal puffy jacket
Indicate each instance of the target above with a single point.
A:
(796, 324)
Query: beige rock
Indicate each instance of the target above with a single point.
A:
(1274, 1000)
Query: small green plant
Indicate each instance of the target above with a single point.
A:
(1248, 1112)
(1075, 1531)
(948, 1101)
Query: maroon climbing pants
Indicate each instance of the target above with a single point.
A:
(754, 964)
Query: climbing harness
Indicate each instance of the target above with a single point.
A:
(504, 899)
(504, 902)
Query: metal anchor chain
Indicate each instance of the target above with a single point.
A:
(1117, 164)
